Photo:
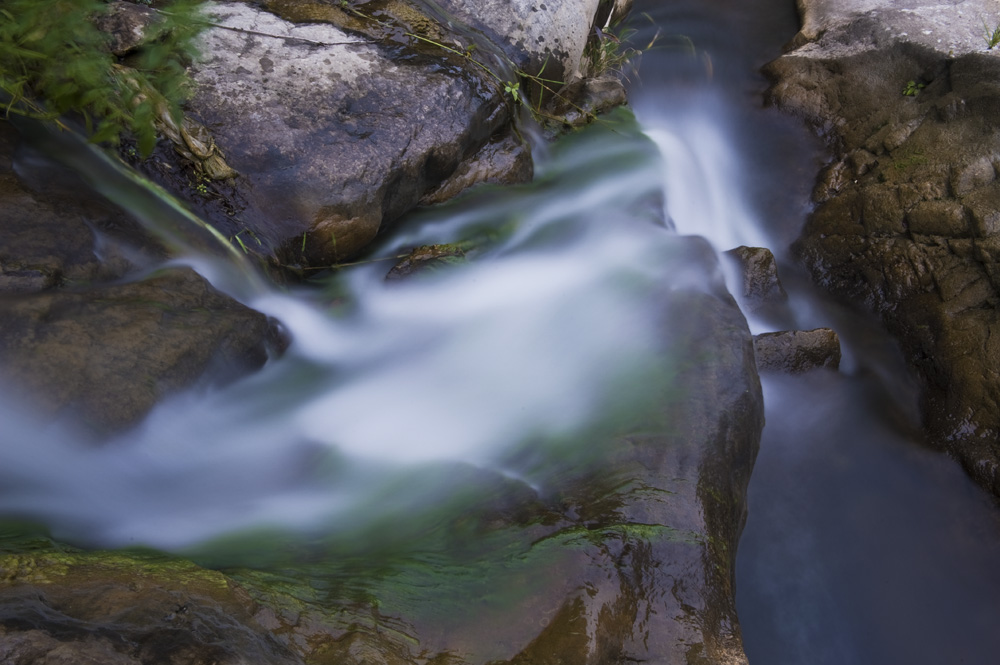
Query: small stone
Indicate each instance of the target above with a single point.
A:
(797, 351)
(425, 259)
(759, 275)
(126, 24)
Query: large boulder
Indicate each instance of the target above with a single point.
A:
(906, 223)
(314, 126)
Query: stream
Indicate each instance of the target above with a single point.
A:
(862, 545)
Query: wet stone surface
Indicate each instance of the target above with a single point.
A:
(797, 351)
(84, 332)
(906, 224)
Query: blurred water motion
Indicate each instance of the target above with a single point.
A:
(546, 333)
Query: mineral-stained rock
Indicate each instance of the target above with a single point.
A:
(907, 219)
(63, 607)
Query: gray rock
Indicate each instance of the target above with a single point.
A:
(911, 235)
(334, 136)
(336, 122)
(552, 34)
(797, 351)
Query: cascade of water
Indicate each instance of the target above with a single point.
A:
(535, 339)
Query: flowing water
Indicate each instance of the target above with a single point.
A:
(861, 545)
(396, 399)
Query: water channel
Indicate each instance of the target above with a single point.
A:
(862, 545)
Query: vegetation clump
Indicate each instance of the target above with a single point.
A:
(55, 61)
(991, 35)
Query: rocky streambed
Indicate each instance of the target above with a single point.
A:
(315, 127)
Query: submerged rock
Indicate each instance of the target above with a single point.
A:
(908, 97)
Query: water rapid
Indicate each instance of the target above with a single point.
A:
(545, 334)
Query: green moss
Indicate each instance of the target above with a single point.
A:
(913, 157)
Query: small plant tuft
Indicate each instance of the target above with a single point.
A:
(912, 88)
(991, 35)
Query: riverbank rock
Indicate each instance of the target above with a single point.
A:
(84, 334)
(908, 97)
(315, 126)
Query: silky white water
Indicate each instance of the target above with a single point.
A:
(541, 336)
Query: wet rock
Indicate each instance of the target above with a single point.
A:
(82, 332)
(906, 236)
(425, 259)
(502, 161)
(642, 529)
(758, 274)
(53, 231)
(107, 355)
(797, 351)
(68, 607)
(582, 101)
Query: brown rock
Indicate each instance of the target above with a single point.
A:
(797, 351)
